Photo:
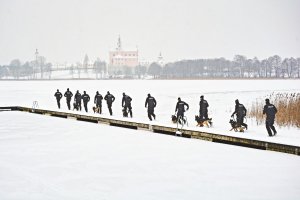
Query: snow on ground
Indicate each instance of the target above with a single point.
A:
(43, 157)
(220, 95)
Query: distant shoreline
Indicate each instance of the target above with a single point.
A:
(156, 79)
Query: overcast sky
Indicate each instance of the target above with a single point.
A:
(66, 30)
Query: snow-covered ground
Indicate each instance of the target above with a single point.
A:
(43, 157)
(220, 95)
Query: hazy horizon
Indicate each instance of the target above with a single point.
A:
(64, 31)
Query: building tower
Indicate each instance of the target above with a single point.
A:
(160, 60)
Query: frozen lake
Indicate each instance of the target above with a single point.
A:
(43, 157)
(220, 95)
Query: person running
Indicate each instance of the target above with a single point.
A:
(85, 98)
(203, 108)
(98, 101)
(58, 96)
(151, 102)
(68, 94)
(77, 99)
(270, 111)
(126, 103)
(109, 100)
(180, 109)
(240, 112)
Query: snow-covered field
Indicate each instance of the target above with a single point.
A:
(42, 157)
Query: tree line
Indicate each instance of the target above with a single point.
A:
(239, 67)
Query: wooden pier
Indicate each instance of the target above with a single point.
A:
(224, 139)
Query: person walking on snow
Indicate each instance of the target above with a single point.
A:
(109, 100)
(58, 96)
(240, 112)
(151, 102)
(68, 94)
(77, 99)
(270, 110)
(85, 98)
(180, 108)
(126, 103)
(98, 101)
(203, 108)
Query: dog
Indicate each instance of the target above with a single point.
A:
(236, 127)
(180, 120)
(97, 109)
(174, 119)
(75, 106)
(125, 113)
(203, 122)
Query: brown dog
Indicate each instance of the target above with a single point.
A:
(203, 122)
(236, 127)
(97, 109)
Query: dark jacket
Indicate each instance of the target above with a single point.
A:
(58, 95)
(180, 106)
(151, 103)
(126, 100)
(98, 99)
(240, 110)
(270, 110)
(203, 105)
(77, 97)
(68, 95)
(109, 98)
(85, 98)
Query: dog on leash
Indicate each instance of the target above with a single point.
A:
(203, 122)
(125, 112)
(236, 127)
(75, 106)
(174, 119)
(97, 109)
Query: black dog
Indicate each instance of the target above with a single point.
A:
(174, 119)
(202, 122)
(236, 127)
(75, 106)
(125, 113)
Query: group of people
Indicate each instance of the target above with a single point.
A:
(240, 111)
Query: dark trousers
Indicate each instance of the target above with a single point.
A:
(180, 119)
(129, 109)
(78, 105)
(203, 115)
(85, 106)
(68, 103)
(270, 127)
(58, 103)
(151, 114)
(99, 105)
(240, 121)
(109, 108)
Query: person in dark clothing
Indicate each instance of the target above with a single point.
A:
(203, 108)
(109, 100)
(240, 112)
(270, 110)
(85, 98)
(68, 94)
(151, 102)
(126, 103)
(77, 99)
(58, 96)
(180, 108)
(98, 101)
